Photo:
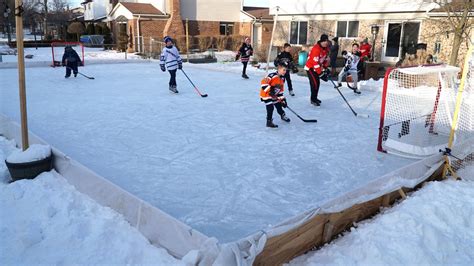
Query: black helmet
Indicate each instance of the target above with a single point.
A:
(283, 64)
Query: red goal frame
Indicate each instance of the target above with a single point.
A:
(57, 61)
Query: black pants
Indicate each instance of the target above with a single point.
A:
(172, 77)
(245, 67)
(71, 66)
(314, 84)
(288, 80)
(270, 110)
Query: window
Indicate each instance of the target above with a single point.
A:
(348, 29)
(298, 32)
(226, 28)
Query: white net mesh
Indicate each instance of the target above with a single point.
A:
(57, 50)
(462, 150)
(418, 111)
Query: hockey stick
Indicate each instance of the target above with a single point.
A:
(302, 119)
(344, 98)
(202, 95)
(81, 73)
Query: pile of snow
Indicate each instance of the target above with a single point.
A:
(47, 221)
(6, 50)
(371, 85)
(35, 152)
(433, 226)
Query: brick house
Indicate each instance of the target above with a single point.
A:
(401, 24)
(144, 20)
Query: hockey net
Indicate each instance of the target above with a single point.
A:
(460, 149)
(417, 110)
(57, 50)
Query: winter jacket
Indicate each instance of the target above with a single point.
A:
(170, 58)
(284, 57)
(272, 87)
(365, 51)
(70, 57)
(352, 61)
(245, 52)
(318, 58)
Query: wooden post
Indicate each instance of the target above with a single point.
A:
(187, 40)
(402, 193)
(327, 233)
(21, 72)
(386, 200)
(271, 40)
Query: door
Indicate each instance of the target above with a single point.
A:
(257, 34)
(399, 36)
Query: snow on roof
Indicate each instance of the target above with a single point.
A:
(141, 8)
(350, 6)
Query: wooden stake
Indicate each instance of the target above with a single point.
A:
(21, 72)
(402, 193)
(327, 234)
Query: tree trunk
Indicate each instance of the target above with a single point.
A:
(455, 47)
(45, 27)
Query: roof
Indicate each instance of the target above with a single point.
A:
(306, 7)
(141, 9)
(258, 12)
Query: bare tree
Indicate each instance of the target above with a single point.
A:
(460, 21)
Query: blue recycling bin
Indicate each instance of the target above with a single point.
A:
(302, 57)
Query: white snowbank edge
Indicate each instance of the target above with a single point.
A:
(161, 229)
(35, 152)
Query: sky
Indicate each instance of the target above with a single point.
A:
(263, 3)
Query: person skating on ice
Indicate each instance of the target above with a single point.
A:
(317, 67)
(71, 61)
(351, 66)
(170, 60)
(245, 51)
(271, 94)
(286, 57)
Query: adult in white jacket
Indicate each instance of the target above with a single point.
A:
(170, 60)
(352, 61)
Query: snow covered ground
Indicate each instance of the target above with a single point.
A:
(433, 226)
(209, 162)
(47, 221)
(44, 54)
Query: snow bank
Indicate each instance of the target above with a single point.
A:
(47, 221)
(433, 226)
(35, 152)
(372, 85)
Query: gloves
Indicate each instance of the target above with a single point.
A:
(283, 102)
(272, 92)
(180, 65)
(237, 57)
(295, 70)
(324, 75)
(162, 68)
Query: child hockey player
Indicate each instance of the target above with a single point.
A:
(171, 58)
(285, 57)
(244, 53)
(71, 61)
(271, 93)
(316, 67)
(352, 61)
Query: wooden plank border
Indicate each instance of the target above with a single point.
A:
(325, 227)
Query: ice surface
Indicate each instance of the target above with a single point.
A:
(209, 162)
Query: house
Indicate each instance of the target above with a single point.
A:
(401, 24)
(146, 21)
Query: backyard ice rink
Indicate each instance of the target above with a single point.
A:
(210, 162)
